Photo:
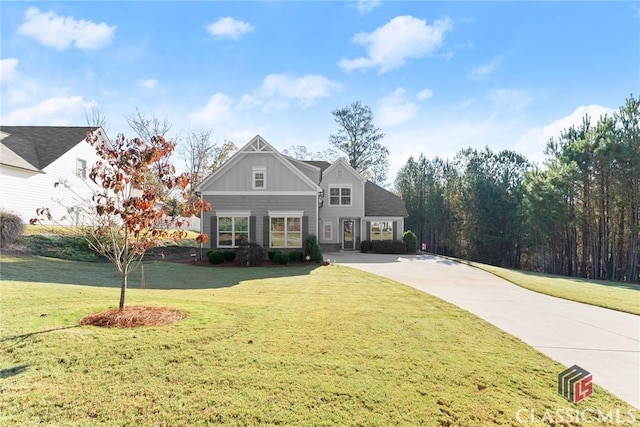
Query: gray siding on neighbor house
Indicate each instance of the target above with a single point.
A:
(240, 176)
(259, 207)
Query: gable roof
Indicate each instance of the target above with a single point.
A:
(345, 164)
(256, 145)
(381, 202)
(36, 147)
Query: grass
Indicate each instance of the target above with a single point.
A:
(260, 346)
(618, 296)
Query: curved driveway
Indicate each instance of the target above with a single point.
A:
(604, 342)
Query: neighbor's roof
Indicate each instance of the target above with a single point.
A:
(36, 147)
(381, 202)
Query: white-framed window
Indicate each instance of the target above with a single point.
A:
(81, 168)
(232, 229)
(327, 231)
(381, 230)
(285, 230)
(259, 178)
(339, 195)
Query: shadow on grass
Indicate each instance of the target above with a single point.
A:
(19, 338)
(157, 275)
(10, 372)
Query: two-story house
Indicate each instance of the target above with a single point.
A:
(261, 195)
(33, 159)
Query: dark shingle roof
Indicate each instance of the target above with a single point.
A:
(40, 145)
(381, 202)
(318, 163)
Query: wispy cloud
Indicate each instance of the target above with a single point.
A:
(229, 28)
(396, 108)
(366, 6)
(481, 71)
(57, 111)
(62, 32)
(392, 45)
(509, 100)
(148, 83)
(278, 89)
(424, 94)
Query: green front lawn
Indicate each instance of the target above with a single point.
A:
(280, 345)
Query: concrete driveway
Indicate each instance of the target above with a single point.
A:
(604, 342)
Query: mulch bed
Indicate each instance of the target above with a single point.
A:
(134, 316)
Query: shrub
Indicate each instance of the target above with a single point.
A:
(365, 246)
(11, 227)
(281, 258)
(411, 240)
(388, 247)
(313, 248)
(229, 255)
(250, 254)
(271, 254)
(215, 257)
(296, 256)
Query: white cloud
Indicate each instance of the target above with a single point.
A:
(509, 100)
(402, 38)
(278, 89)
(148, 83)
(8, 70)
(424, 94)
(481, 71)
(61, 32)
(533, 143)
(366, 6)
(57, 111)
(396, 109)
(217, 110)
(229, 28)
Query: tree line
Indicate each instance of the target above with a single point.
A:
(578, 215)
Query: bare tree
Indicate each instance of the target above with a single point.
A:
(300, 152)
(95, 118)
(202, 156)
(148, 127)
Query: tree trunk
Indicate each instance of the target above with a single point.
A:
(123, 288)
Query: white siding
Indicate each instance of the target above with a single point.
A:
(22, 192)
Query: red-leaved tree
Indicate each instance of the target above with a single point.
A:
(125, 215)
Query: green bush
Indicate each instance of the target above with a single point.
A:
(313, 248)
(296, 256)
(411, 240)
(365, 246)
(11, 227)
(250, 254)
(216, 257)
(271, 254)
(229, 255)
(281, 258)
(388, 247)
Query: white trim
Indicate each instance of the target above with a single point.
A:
(256, 170)
(340, 186)
(232, 213)
(285, 213)
(259, 193)
(347, 167)
(233, 231)
(330, 225)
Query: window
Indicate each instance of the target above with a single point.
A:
(340, 196)
(286, 232)
(259, 178)
(381, 230)
(327, 231)
(232, 230)
(81, 168)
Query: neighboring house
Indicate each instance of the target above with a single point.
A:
(276, 201)
(33, 159)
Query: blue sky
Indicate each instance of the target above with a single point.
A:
(439, 76)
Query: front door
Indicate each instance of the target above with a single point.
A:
(348, 239)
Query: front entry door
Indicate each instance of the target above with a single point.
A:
(348, 239)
